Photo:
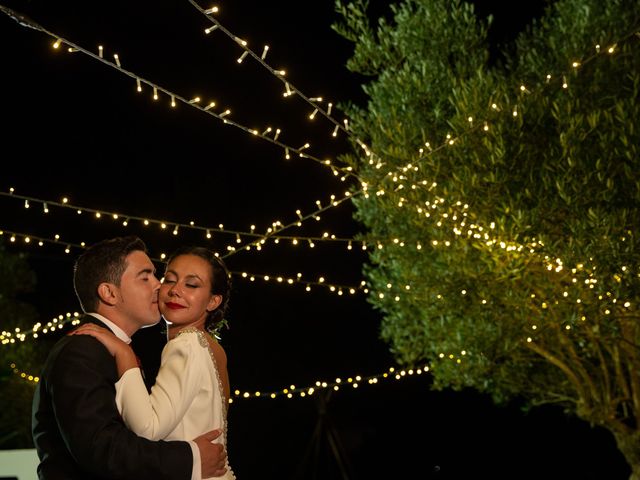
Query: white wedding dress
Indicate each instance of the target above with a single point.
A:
(186, 400)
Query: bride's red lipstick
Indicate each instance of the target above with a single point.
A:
(174, 306)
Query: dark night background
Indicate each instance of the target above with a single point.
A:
(77, 128)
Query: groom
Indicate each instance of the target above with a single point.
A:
(76, 427)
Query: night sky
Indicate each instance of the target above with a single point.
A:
(77, 128)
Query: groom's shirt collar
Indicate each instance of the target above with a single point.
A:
(113, 327)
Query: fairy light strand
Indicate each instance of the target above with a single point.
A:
(291, 391)
(192, 102)
(288, 280)
(272, 232)
(290, 88)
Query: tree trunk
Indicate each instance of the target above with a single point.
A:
(629, 445)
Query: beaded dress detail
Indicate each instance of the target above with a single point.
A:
(204, 342)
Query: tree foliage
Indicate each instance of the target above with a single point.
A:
(16, 280)
(502, 200)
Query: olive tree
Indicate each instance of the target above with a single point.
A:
(500, 196)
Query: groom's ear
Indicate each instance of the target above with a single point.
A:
(107, 293)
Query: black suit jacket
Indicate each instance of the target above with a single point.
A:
(148, 343)
(76, 427)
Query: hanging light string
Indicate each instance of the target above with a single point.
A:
(290, 89)
(176, 227)
(291, 392)
(259, 240)
(289, 280)
(195, 102)
(336, 385)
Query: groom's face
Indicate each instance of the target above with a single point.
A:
(139, 291)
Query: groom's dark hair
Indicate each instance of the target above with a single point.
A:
(102, 262)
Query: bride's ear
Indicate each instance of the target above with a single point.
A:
(107, 293)
(214, 302)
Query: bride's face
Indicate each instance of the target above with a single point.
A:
(185, 294)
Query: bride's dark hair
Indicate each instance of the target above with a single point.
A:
(220, 284)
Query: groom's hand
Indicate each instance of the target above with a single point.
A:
(213, 457)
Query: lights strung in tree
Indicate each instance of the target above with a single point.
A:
(574, 65)
(461, 229)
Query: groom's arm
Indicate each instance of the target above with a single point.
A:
(82, 389)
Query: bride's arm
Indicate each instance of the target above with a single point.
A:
(155, 415)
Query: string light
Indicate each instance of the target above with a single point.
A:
(261, 59)
(242, 57)
(280, 73)
(292, 391)
(333, 288)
